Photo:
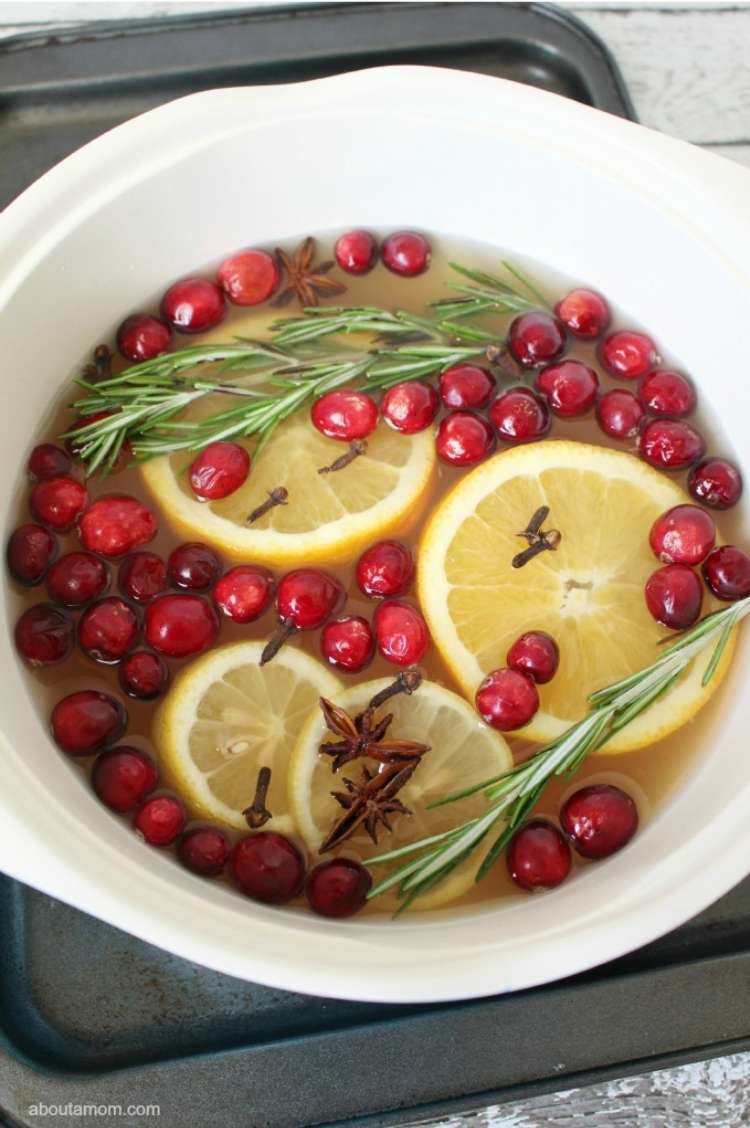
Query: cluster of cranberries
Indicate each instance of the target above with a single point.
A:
(507, 699)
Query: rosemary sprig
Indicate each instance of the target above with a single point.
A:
(513, 794)
(489, 294)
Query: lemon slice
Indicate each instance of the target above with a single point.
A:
(328, 517)
(588, 593)
(226, 717)
(463, 751)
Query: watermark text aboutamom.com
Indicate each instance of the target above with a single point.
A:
(91, 1108)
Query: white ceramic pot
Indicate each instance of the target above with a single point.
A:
(660, 226)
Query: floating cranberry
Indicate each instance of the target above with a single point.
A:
(77, 578)
(538, 857)
(143, 337)
(123, 776)
(584, 313)
(536, 338)
(627, 354)
(58, 502)
(268, 867)
(716, 482)
(117, 524)
(30, 550)
(520, 415)
(180, 625)
(193, 305)
(219, 470)
(406, 253)
(348, 644)
(466, 386)
(108, 629)
(507, 700)
(464, 438)
(410, 407)
(663, 392)
(536, 654)
(193, 566)
(44, 635)
(143, 675)
(674, 595)
(670, 444)
(684, 534)
(87, 721)
(727, 573)
(204, 850)
(401, 632)
(345, 415)
(307, 597)
(142, 576)
(599, 820)
(570, 387)
(619, 414)
(160, 820)
(249, 277)
(338, 888)
(356, 252)
(386, 568)
(48, 461)
(243, 593)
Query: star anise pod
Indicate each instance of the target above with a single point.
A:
(369, 803)
(364, 736)
(304, 280)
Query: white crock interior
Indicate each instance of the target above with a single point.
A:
(654, 223)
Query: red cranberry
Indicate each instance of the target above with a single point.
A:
(386, 568)
(507, 700)
(44, 635)
(219, 470)
(520, 415)
(684, 534)
(87, 721)
(663, 392)
(180, 625)
(466, 386)
(77, 578)
(193, 566)
(108, 629)
(536, 338)
(538, 857)
(627, 354)
(464, 438)
(410, 407)
(401, 632)
(123, 776)
(30, 550)
(599, 820)
(338, 888)
(307, 597)
(536, 654)
(584, 313)
(249, 277)
(142, 576)
(193, 305)
(268, 867)
(569, 387)
(619, 414)
(160, 820)
(345, 415)
(204, 850)
(674, 595)
(58, 502)
(243, 593)
(356, 252)
(670, 444)
(114, 525)
(48, 461)
(348, 644)
(727, 573)
(406, 253)
(143, 675)
(716, 483)
(143, 337)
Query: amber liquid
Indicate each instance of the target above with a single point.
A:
(648, 774)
